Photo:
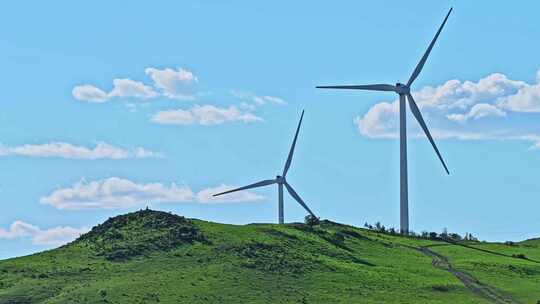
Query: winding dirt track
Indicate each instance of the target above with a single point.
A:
(487, 292)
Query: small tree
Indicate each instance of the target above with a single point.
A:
(433, 235)
(455, 236)
(378, 226)
(311, 220)
(444, 233)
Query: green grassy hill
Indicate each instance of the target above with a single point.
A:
(157, 257)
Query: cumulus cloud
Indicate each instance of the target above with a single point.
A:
(114, 193)
(527, 99)
(173, 83)
(102, 150)
(205, 115)
(89, 93)
(126, 87)
(478, 111)
(380, 121)
(123, 87)
(54, 236)
(459, 109)
(117, 193)
(455, 94)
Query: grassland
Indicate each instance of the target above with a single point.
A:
(156, 257)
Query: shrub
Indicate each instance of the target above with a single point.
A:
(455, 236)
(519, 256)
(339, 237)
(442, 288)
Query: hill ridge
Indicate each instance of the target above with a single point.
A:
(157, 257)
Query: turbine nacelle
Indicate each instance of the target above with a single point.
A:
(402, 89)
(280, 179)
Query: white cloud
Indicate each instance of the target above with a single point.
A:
(66, 150)
(205, 115)
(380, 121)
(251, 101)
(262, 100)
(122, 87)
(206, 195)
(58, 235)
(469, 103)
(455, 94)
(275, 100)
(129, 88)
(17, 230)
(89, 93)
(527, 99)
(478, 111)
(54, 236)
(117, 193)
(171, 83)
(177, 84)
(114, 193)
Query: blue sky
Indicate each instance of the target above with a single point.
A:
(109, 107)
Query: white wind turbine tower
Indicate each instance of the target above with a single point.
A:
(404, 91)
(280, 181)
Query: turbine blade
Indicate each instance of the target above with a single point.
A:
(420, 119)
(291, 151)
(368, 87)
(420, 65)
(297, 198)
(255, 185)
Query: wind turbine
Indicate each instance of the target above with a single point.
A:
(404, 91)
(280, 180)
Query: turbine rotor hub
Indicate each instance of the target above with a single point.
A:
(402, 89)
(280, 179)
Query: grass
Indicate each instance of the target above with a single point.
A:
(156, 257)
(516, 276)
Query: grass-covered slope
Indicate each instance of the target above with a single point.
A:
(156, 257)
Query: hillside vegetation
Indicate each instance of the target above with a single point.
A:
(157, 257)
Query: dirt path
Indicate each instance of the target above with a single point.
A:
(489, 293)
